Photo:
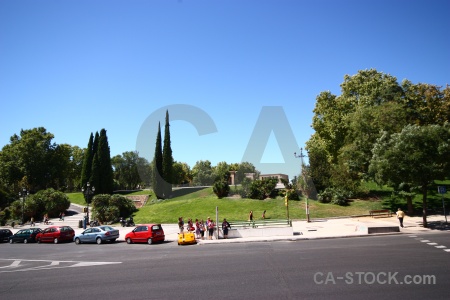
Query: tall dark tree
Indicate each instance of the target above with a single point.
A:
(157, 165)
(167, 162)
(86, 171)
(106, 179)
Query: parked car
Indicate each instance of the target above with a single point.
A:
(97, 235)
(56, 234)
(4, 235)
(146, 233)
(25, 235)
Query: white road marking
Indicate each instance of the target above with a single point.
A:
(441, 247)
(51, 264)
(432, 244)
(14, 264)
(425, 241)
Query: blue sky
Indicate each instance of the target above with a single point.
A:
(75, 67)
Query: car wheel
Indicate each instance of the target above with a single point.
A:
(129, 241)
(55, 241)
(38, 241)
(150, 241)
(10, 241)
(25, 241)
(99, 241)
(77, 241)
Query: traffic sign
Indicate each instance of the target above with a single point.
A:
(442, 189)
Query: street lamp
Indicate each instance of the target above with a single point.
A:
(88, 192)
(301, 155)
(23, 194)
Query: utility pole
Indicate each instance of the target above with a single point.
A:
(301, 155)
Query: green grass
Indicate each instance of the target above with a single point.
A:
(202, 202)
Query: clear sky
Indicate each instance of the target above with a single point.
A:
(75, 67)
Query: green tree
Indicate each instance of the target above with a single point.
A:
(244, 168)
(157, 167)
(32, 160)
(416, 156)
(86, 171)
(48, 201)
(202, 173)
(181, 173)
(261, 189)
(167, 162)
(222, 171)
(126, 169)
(221, 188)
(106, 180)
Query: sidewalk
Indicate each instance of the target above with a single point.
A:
(347, 227)
(316, 229)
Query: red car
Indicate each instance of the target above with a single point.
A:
(56, 234)
(146, 233)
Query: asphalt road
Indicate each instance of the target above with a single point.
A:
(397, 266)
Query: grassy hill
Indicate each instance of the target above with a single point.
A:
(202, 202)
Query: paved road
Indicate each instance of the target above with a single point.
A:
(349, 268)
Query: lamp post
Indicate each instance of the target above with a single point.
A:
(301, 155)
(88, 192)
(24, 194)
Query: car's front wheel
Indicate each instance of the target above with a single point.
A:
(77, 241)
(25, 241)
(56, 241)
(129, 241)
(10, 241)
(99, 241)
(150, 241)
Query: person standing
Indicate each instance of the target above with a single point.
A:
(400, 215)
(250, 216)
(225, 227)
(32, 222)
(202, 229)
(210, 225)
(264, 215)
(181, 224)
(197, 228)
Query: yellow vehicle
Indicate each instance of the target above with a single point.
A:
(186, 238)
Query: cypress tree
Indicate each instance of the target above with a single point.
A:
(95, 175)
(157, 180)
(167, 160)
(95, 172)
(86, 170)
(106, 179)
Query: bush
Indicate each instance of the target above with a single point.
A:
(221, 188)
(47, 201)
(107, 208)
(333, 196)
(261, 189)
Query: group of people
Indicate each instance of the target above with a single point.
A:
(250, 215)
(200, 227)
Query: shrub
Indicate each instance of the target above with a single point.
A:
(221, 188)
(334, 196)
(107, 208)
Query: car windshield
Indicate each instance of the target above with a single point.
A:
(106, 228)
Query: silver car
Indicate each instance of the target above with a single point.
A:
(97, 235)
